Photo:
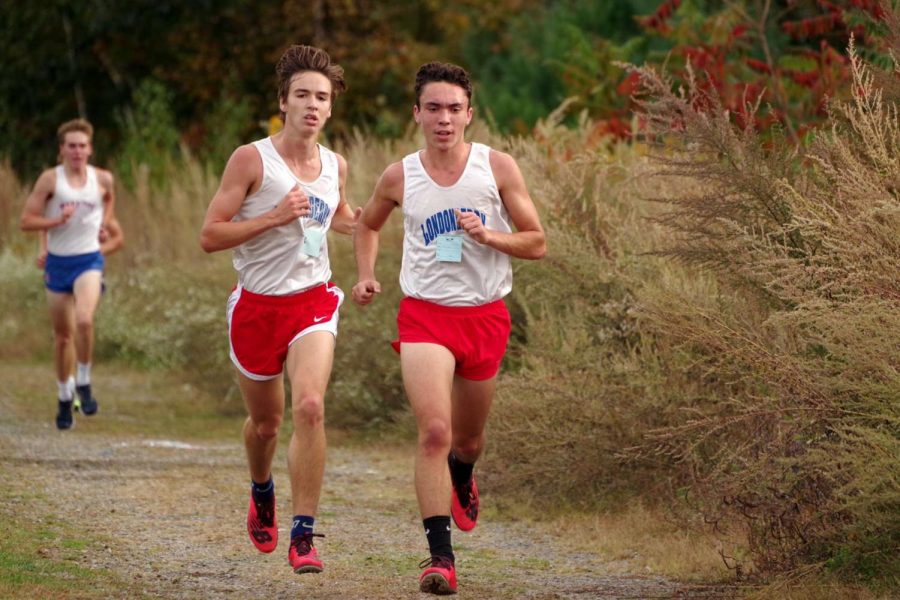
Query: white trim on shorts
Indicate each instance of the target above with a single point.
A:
(330, 326)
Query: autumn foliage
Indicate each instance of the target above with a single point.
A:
(787, 58)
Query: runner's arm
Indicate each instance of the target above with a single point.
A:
(115, 238)
(107, 183)
(242, 174)
(527, 241)
(386, 196)
(345, 218)
(33, 218)
(41, 260)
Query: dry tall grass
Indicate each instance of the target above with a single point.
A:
(796, 432)
(731, 346)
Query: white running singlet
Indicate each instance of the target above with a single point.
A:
(80, 234)
(293, 257)
(482, 274)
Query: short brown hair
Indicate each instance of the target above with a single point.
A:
(299, 58)
(81, 125)
(439, 71)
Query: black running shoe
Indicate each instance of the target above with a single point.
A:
(64, 419)
(88, 402)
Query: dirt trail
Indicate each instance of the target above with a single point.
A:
(172, 515)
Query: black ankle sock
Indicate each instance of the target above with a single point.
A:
(437, 530)
(303, 524)
(460, 472)
(262, 491)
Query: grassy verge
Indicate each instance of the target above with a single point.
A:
(46, 557)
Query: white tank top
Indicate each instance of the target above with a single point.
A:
(293, 257)
(483, 274)
(79, 235)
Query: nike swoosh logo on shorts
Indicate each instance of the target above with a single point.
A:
(319, 319)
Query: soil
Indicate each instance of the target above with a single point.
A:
(170, 517)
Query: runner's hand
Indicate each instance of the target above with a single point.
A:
(472, 225)
(41, 260)
(294, 205)
(364, 292)
(66, 214)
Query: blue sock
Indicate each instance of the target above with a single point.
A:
(262, 491)
(303, 524)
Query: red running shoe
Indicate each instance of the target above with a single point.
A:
(303, 555)
(439, 576)
(464, 505)
(262, 525)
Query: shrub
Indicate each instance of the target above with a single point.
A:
(794, 437)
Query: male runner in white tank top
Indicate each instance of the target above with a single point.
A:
(72, 203)
(459, 201)
(277, 199)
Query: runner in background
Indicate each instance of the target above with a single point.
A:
(72, 203)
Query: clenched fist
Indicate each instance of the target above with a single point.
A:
(294, 205)
(365, 291)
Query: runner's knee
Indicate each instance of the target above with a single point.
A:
(62, 337)
(434, 437)
(468, 449)
(309, 409)
(267, 429)
(84, 321)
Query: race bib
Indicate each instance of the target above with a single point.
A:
(312, 242)
(449, 248)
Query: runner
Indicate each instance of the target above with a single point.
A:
(458, 201)
(111, 239)
(277, 199)
(72, 203)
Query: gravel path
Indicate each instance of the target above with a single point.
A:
(171, 517)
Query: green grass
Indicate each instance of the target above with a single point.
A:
(44, 559)
(134, 404)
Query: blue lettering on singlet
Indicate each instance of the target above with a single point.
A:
(444, 222)
(318, 209)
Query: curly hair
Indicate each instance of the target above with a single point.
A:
(439, 71)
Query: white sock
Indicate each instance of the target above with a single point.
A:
(83, 373)
(65, 392)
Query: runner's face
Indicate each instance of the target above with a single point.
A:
(76, 149)
(443, 113)
(308, 103)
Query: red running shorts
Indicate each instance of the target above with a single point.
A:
(476, 335)
(262, 328)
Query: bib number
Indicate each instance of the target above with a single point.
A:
(312, 242)
(449, 248)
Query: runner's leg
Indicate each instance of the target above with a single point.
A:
(62, 316)
(265, 409)
(309, 363)
(471, 406)
(428, 378)
(87, 296)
